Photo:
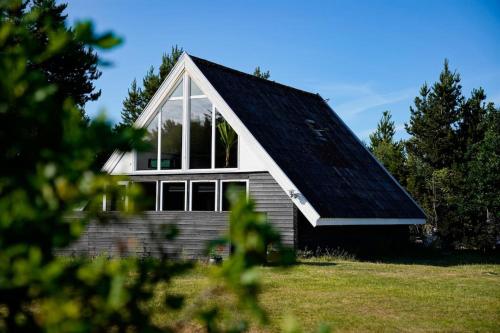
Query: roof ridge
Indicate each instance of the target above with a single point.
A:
(253, 77)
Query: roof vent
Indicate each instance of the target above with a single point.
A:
(319, 132)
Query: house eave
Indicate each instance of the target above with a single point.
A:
(368, 221)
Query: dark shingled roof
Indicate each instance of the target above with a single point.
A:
(310, 143)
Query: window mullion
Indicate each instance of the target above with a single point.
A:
(186, 123)
(213, 138)
(158, 163)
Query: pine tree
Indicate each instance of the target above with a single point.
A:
(259, 73)
(386, 150)
(169, 60)
(150, 84)
(482, 191)
(434, 146)
(472, 114)
(434, 119)
(385, 130)
(75, 69)
(132, 105)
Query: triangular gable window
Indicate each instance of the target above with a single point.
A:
(211, 144)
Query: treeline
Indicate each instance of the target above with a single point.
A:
(450, 163)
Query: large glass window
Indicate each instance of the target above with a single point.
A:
(147, 160)
(200, 144)
(203, 196)
(236, 187)
(226, 144)
(173, 196)
(213, 143)
(171, 135)
(147, 200)
(195, 90)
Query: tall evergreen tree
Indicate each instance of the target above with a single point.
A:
(453, 161)
(389, 152)
(433, 148)
(482, 188)
(150, 84)
(75, 69)
(472, 115)
(132, 105)
(168, 61)
(434, 119)
(259, 73)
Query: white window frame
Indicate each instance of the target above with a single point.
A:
(191, 194)
(247, 192)
(104, 197)
(185, 195)
(186, 127)
(156, 194)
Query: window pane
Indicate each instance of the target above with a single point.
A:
(226, 144)
(203, 196)
(174, 196)
(171, 135)
(147, 201)
(201, 134)
(178, 90)
(147, 160)
(236, 187)
(116, 201)
(195, 91)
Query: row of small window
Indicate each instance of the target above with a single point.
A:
(173, 195)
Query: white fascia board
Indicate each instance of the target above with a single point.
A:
(151, 108)
(271, 166)
(367, 221)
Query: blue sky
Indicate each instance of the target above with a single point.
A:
(364, 56)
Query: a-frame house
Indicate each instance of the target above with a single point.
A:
(212, 127)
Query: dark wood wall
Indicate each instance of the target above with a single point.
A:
(362, 240)
(141, 235)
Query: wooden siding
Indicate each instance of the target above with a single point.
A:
(271, 199)
(141, 235)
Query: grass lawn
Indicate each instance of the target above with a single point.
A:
(353, 296)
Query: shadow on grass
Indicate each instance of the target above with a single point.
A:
(316, 263)
(435, 257)
(401, 255)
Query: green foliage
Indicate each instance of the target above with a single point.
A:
(385, 130)
(390, 153)
(132, 105)
(47, 171)
(453, 161)
(433, 121)
(228, 138)
(73, 68)
(483, 179)
(253, 243)
(261, 74)
(168, 61)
